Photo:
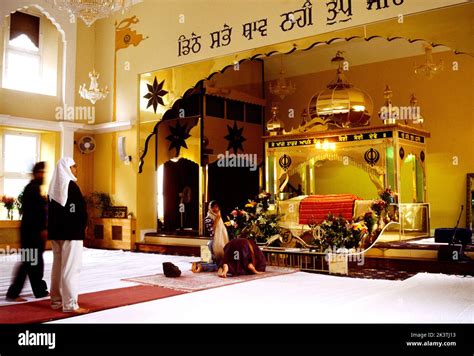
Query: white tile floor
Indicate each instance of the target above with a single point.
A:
(296, 298)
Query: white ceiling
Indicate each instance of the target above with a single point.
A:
(356, 52)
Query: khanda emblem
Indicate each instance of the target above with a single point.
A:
(285, 162)
(125, 36)
(372, 156)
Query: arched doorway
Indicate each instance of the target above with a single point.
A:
(181, 195)
(231, 186)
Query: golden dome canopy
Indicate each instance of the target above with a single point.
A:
(341, 104)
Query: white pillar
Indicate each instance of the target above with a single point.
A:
(67, 140)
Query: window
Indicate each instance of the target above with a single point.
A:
(20, 152)
(215, 106)
(253, 114)
(31, 54)
(235, 110)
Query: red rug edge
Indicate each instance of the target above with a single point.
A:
(60, 315)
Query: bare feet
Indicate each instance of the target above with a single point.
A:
(16, 300)
(196, 267)
(77, 311)
(222, 272)
(252, 269)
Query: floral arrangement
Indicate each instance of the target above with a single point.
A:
(338, 232)
(369, 219)
(236, 222)
(255, 219)
(379, 206)
(388, 196)
(9, 204)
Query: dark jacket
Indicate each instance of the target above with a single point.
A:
(68, 222)
(33, 220)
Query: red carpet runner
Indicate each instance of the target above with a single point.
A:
(40, 311)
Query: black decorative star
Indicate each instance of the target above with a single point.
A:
(235, 138)
(178, 137)
(155, 94)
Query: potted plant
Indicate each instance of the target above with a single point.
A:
(100, 201)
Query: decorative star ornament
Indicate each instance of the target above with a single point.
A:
(178, 137)
(155, 94)
(235, 138)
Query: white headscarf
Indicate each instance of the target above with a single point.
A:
(59, 185)
(220, 234)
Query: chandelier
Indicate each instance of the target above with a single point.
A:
(91, 10)
(429, 68)
(341, 104)
(94, 93)
(281, 87)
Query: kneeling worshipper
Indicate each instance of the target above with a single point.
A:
(241, 256)
(219, 238)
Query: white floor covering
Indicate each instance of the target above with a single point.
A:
(101, 269)
(296, 298)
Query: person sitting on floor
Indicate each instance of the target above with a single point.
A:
(241, 256)
(219, 238)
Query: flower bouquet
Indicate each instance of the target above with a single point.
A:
(388, 196)
(236, 222)
(379, 206)
(9, 204)
(255, 219)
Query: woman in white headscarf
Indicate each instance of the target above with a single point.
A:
(67, 222)
(218, 233)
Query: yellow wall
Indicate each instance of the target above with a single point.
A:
(102, 170)
(49, 152)
(85, 60)
(332, 177)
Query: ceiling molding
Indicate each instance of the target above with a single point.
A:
(59, 126)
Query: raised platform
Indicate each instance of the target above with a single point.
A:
(172, 244)
(414, 255)
(416, 248)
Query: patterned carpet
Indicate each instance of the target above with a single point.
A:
(193, 282)
(371, 273)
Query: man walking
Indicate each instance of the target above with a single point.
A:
(33, 237)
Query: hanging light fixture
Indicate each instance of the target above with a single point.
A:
(341, 104)
(91, 10)
(94, 93)
(282, 87)
(429, 68)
